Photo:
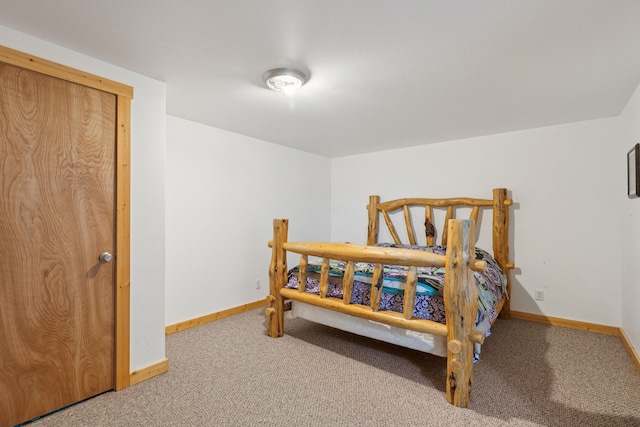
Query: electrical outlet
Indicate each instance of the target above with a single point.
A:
(258, 284)
(539, 295)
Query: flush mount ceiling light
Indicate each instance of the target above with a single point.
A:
(285, 80)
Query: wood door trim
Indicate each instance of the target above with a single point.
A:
(50, 68)
(123, 291)
(123, 94)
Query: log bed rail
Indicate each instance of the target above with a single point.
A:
(459, 292)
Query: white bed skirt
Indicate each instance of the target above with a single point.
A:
(420, 341)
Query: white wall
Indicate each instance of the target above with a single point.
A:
(630, 221)
(147, 191)
(223, 192)
(565, 182)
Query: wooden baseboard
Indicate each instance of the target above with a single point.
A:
(163, 366)
(626, 342)
(149, 372)
(585, 326)
(214, 316)
(573, 324)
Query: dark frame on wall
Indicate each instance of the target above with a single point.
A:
(633, 172)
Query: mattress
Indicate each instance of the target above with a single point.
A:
(420, 341)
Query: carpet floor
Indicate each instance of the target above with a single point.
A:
(229, 373)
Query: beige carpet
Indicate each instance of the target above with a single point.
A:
(229, 373)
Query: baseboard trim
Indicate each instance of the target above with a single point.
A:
(171, 329)
(626, 342)
(163, 366)
(573, 324)
(149, 372)
(585, 326)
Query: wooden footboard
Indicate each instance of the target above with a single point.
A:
(459, 292)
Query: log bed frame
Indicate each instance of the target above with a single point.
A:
(459, 292)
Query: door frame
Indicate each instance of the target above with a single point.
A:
(124, 95)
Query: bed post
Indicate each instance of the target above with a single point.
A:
(461, 307)
(374, 223)
(277, 279)
(501, 241)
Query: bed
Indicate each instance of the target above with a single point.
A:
(435, 297)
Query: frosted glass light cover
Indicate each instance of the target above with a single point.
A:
(284, 80)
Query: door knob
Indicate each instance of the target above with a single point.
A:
(105, 257)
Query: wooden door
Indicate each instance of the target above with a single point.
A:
(57, 189)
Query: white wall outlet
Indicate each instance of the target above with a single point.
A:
(258, 284)
(539, 295)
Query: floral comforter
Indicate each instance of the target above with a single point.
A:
(429, 303)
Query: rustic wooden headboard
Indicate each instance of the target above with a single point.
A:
(500, 235)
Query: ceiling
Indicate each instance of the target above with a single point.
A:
(384, 73)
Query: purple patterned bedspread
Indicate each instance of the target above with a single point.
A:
(429, 303)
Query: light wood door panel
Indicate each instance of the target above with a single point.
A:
(57, 184)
